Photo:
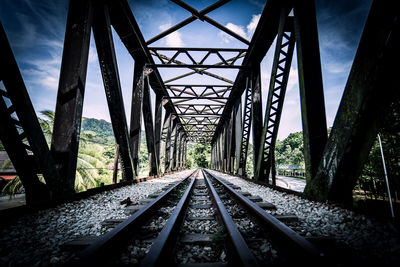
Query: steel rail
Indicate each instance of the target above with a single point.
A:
(280, 233)
(242, 251)
(115, 239)
(166, 239)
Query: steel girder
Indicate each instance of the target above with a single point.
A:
(276, 94)
(71, 88)
(20, 132)
(109, 70)
(371, 87)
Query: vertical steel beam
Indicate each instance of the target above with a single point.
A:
(116, 158)
(224, 147)
(237, 113)
(178, 152)
(256, 112)
(148, 125)
(167, 136)
(157, 129)
(71, 88)
(174, 144)
(310, 83)
(185, 155)
(276, 95)
(136, 113)
(372, 86)
(36, 192)
(232, 142)
(109, 70)
(26, 118)
(246, 128)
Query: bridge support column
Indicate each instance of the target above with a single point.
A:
(148, 125)
(276, 94)
(256, 112)
(136, 113)
(157, 130)
(310, 83)
(109, 71)
(167, 135)
(71, 89)
(371, 87)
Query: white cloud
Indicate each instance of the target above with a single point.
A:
(246, 32)
(251, 27)
(173, 39)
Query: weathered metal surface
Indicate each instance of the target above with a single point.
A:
(262, 39)
(157, 129)
(310, 84)
(187, 21)
(298, 247)
(148, 125)
(23, 130)
(256, 112)
(265, 163)
(109, 70)
(371, 87)
(71, 88)
(128, 30)
(164, 244)
(116, 238)
(242, 252)
(246, 127)
(136, 113)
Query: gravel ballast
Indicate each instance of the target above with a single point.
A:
(35, 239)
(371, 240)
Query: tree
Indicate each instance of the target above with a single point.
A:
(200, 155)
(290, 151)
(92, 156)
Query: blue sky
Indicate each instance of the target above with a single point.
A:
(36, 28)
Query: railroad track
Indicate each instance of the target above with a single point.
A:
(205, 220)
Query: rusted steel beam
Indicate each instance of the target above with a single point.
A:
(124, 23)
(209, 20)
(109, 70)
(256, 112)
(237, 113)
(264, 35)
(310, 83)
(167, 135)
(245, 130)
(16, 92)
(183, 49)
(187, 21)
(190, 66)
(148, 125)
(370, 89)
(157, 129)
(276, 94)
(136, 113)
(71, 88)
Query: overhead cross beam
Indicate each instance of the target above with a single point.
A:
(211, 21)
(197, 69)
(187, 21)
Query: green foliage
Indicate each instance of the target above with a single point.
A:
(372, 179)
(290, 150)
(143, 157)
(199, 155)
(7, 164)
(13, 187)
(97, 131)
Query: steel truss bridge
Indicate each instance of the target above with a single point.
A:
(223, 115)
